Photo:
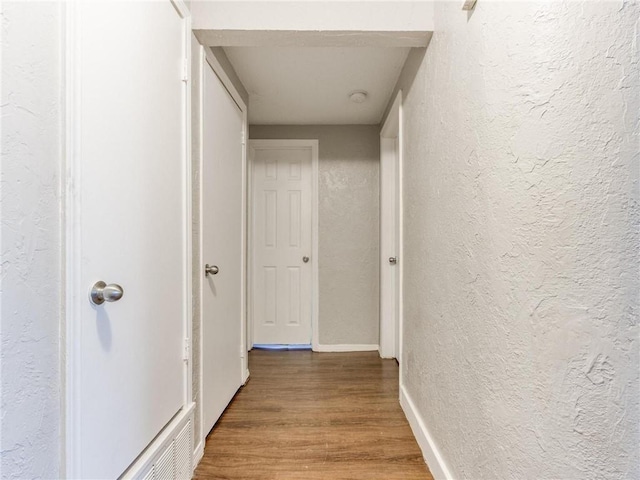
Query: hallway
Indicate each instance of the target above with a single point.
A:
(314, 416)
(452, 183)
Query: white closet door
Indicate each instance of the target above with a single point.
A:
(128, 372)
(222, 247)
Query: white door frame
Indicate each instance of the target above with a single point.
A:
(391, 180)
(315, 284)
(75, 292)
(208, 60)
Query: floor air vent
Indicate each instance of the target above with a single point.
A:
(170, 456)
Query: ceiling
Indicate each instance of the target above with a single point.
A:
(311, 85)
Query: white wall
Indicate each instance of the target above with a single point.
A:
(348, 210)
(521, 230)
(30, 238)
(313, 15)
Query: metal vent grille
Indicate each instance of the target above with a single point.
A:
(165, 469)
(173, 456)
(182, 450)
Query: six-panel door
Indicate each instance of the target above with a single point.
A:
(281, 244)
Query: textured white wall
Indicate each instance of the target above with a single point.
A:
(30, 238)
(521, 231)
(348, 210)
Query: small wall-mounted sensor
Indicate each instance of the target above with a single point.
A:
(469, 4)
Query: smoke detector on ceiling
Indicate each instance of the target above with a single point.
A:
(358, 97)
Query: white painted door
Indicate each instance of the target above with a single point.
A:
(388, 249)
(391, 233)
(127, 372)
(281, 242)
(222, 247)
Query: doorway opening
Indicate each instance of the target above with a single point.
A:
(323, 196)
(338, 96)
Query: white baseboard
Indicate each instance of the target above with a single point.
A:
(430, 452)
(198, 453)
(387, 357)
(345, 348)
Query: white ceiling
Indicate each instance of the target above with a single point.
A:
(311, 85)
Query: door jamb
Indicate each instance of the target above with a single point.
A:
(391, 131)
(315, 284)
(71, 230)
(185, 14)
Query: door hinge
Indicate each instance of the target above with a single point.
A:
(242, 139)
(187, 350)
(185, 71)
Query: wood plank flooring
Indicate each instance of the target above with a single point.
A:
(306, 415)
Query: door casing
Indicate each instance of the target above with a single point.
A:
(276, 144)
(391, 313)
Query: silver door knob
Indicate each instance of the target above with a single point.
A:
(393, 260)
(101, 292)
(305, 259)
(210, 270)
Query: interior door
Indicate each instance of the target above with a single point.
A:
(222, 247)
(281, 243)
(389, 246)
(130, 189)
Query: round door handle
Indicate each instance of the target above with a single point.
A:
(393, 260)
(210, 270)
(305, 259)
(101, 292)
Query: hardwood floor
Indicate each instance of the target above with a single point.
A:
(306, 415)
